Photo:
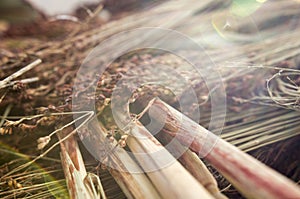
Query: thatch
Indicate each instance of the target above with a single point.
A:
(257, 58)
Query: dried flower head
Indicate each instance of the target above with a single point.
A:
(43, 141)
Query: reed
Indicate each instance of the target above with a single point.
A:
(252, 178)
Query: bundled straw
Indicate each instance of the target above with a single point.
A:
(259, 65)
(252, 178)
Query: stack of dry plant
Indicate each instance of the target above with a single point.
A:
(257, 57)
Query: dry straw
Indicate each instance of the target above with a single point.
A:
(264, 65)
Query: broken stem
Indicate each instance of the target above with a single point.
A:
(20, 72)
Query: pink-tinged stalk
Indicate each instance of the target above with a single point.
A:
(251, 177)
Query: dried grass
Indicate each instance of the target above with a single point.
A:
(261, 75)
